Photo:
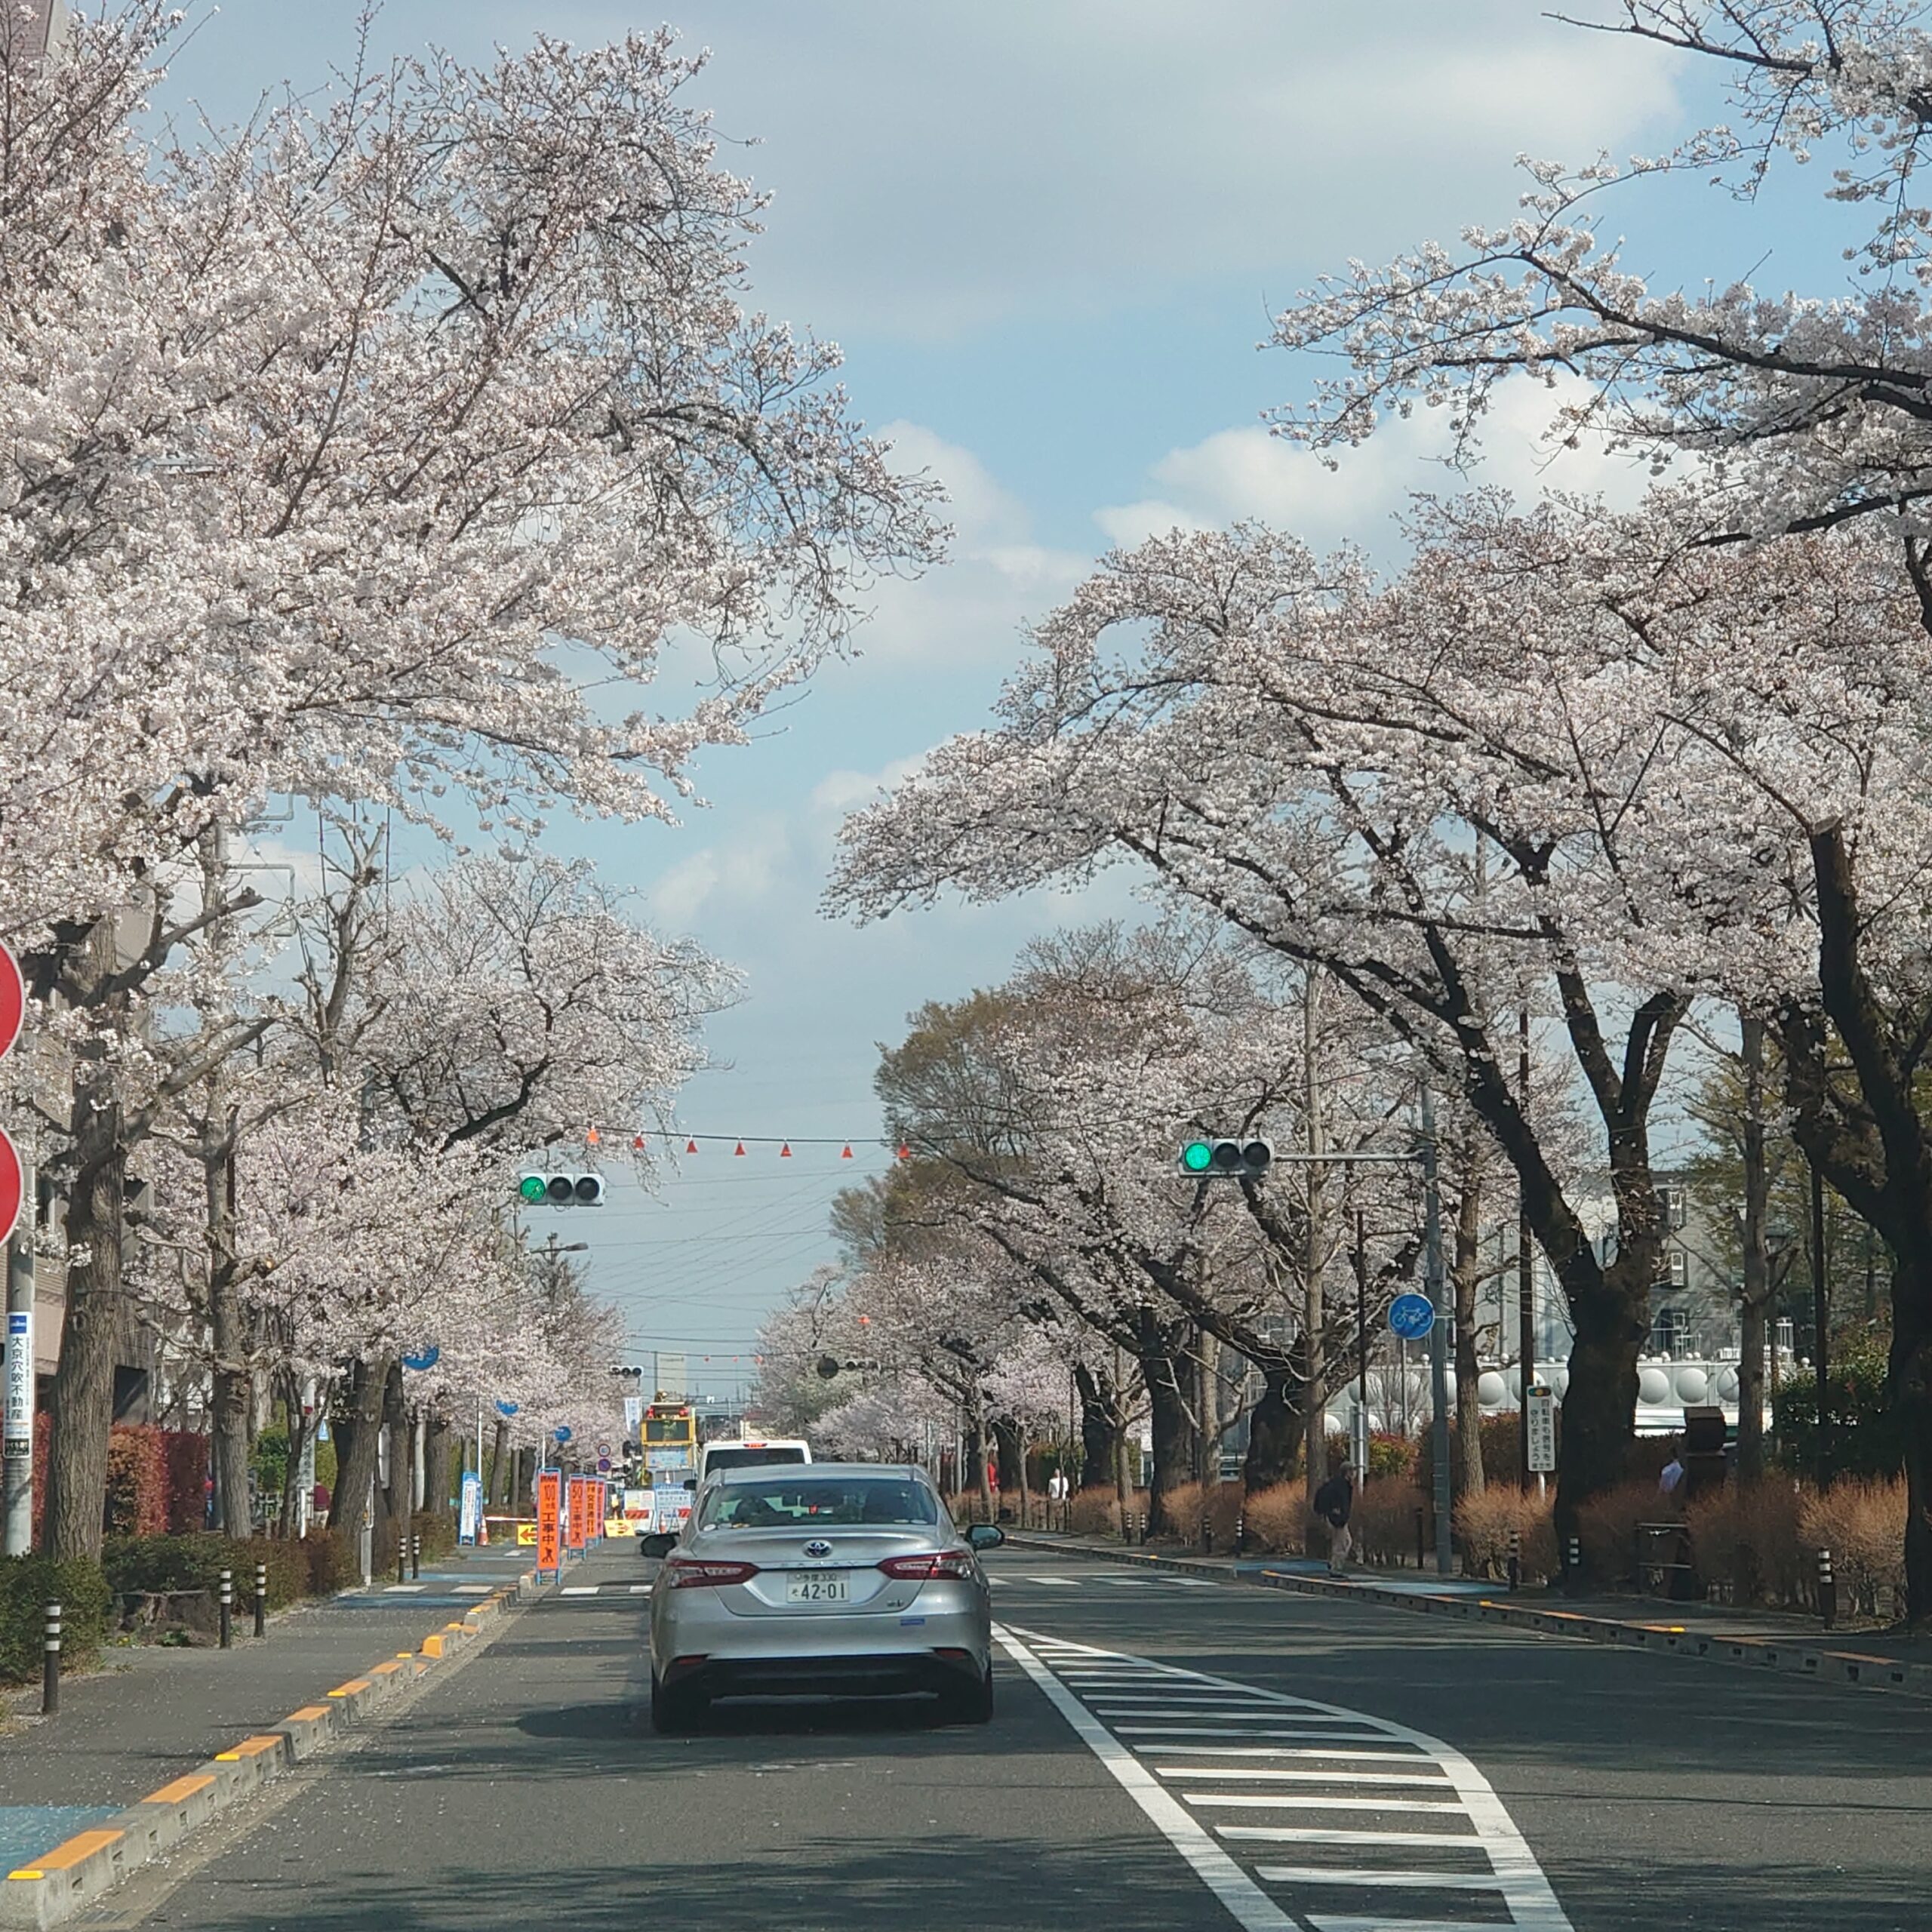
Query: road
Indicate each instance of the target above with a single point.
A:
(1164, 1754)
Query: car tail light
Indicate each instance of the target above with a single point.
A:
(693, 1573)
(929, 1569)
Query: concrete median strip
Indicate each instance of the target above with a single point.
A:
(1810, 1661)
(73, 1874)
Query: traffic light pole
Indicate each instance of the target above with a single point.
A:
(1439, 1333)
(1435, 1281)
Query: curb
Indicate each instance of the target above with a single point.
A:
(1796, 1658)
(71, 1877)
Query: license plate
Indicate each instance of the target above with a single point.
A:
(809, 1586)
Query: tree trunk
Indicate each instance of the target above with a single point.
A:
(355, 1431)
(1172, 1456)
(1464, 1270)
(83, 1397)
(495, 1484)
(1754, 1301)
(1274, 1426)
(1100, 1428)
(1911, 1366)
(1593, 1453)
(436, 1464)
(1007, 1452)
(1315, 1407)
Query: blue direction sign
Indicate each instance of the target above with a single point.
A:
(1411, 1317)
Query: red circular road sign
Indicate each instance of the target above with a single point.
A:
(13, 1000)
(10, 1185)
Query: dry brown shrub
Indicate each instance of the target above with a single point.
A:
(1861, 1521)
(1483, 1527)
(1180, 1514)
(1384, 1520)
(1745, 1536)
(1277, 1519)
(1606, 1526)
(1096, 1512)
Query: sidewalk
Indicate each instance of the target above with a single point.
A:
(128, 1727)
(1716, 1632)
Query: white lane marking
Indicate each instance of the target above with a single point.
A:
(1337, 1874)
(483, 1589)
(643, 1590)
(1204, 1582)
(402, 1589)
(1136, 1583)
(1280, 1751)
(1254, 1773)
(1300, 1800)
(1071, 1583)
(1526, 1896)
(1247, 1904)
(587, 1589)
(1322, 1835)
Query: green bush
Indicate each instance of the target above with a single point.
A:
(27, 1585)
(332, 1564)
(1868, 1438)
(195, 1562)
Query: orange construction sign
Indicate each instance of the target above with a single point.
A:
(549, 1504)
(573, 1524)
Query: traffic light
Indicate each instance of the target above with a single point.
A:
(1226, 1160)
(573, 1190)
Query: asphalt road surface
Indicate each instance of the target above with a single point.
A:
(1165, 1754)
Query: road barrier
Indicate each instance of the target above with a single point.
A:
(227, 1599)
(261, 1599)
(49, 1661)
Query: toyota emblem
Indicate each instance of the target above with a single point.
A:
(818, 1546)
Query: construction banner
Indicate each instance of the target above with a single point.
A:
(549, 1503)
(573, 1523)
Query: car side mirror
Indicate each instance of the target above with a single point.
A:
(985, 1536)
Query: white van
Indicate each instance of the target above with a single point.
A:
(747, 1452)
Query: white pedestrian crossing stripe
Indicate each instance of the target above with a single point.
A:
(1298, 1814)
(1008, 1579)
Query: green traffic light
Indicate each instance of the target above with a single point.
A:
(531, 1187)
(1197, 1157)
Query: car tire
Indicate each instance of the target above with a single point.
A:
(971, 1704)
(675, 1709)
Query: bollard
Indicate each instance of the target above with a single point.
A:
(1515, 1559)
(227, 1609)
(1422, 1544)
(1828, 1590)
(50, 1661)
(1207, 1537)
(1140, 1518)
(1572, 1563)
(261, 1599)
(1240, 1533)
(415, 1556)
(1126, 1527)
(401, 1558)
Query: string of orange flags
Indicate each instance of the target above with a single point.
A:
(742, 1142)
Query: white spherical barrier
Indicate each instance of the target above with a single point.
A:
(1693, 1384)
(1491, 1390)
(1652, 1386)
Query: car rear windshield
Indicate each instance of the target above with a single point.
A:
(749, 1459)
(835, 1503)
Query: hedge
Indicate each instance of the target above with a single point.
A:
(313, 1567)
(27, 1585)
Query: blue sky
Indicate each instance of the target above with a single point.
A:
(1048, 235)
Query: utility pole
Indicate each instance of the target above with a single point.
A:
(1438, 1334)
(17, 1483)
(1821, 1316)
(1316, 1421)
(1526, 1271)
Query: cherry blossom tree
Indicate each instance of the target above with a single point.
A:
(381, 450)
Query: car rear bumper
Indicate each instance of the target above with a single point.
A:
(928, 1647)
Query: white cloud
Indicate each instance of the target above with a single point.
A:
(942, 167)
(1248, 473)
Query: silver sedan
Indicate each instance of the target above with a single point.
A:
(845, 1579)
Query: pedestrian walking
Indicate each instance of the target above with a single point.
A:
(1334, 1501)
(1672, 1475)
(1058, 1489)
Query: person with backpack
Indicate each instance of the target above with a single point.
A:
(1334, 1501)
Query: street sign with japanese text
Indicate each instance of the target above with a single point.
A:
(1540, 1417)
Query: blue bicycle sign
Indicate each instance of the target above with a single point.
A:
(1411, 1317)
